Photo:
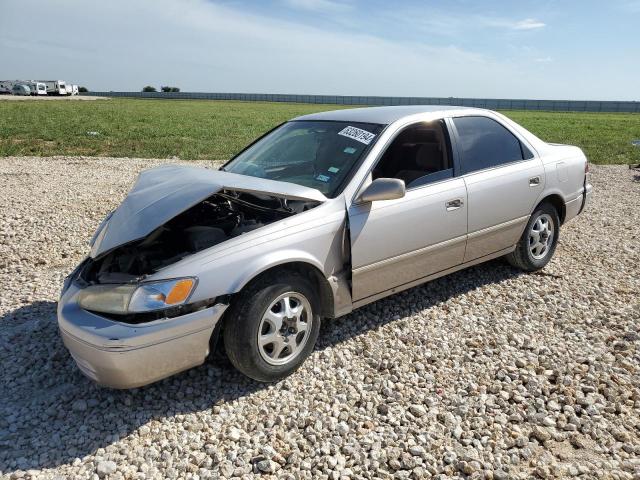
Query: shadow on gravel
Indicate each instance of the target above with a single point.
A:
(414, 300)
(50, 414)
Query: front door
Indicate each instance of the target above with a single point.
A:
(395, 242)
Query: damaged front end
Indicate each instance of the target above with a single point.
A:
(124, 323)
(173, 212)
(219, 218)
(114, 282)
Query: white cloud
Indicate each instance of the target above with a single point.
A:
(506, 23)
(460, 25)
(199, 45)
(528, 24)
(544, 60)
(323, 6)
(202, 46)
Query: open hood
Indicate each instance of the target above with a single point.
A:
(164, 192)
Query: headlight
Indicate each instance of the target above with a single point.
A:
(145, 297)
(106, 298)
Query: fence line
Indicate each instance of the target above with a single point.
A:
(490, 103)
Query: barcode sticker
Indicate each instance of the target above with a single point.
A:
(357, 134)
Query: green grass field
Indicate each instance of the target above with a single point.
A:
(193, 129)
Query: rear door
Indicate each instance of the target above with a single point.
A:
(504, 180)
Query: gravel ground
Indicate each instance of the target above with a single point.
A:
(487, 373)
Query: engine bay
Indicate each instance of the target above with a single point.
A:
(222, 216)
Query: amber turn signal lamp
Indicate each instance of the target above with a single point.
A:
(179, 292)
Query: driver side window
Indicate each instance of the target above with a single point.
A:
(420, 154)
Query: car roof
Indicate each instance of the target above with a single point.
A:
(380, 115)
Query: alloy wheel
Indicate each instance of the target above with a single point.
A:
(284, 328)
(541, 236)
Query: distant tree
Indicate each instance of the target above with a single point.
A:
(175, 89)
(165, 89)
(83, 89)
(149, 88)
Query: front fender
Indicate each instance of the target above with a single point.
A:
(261, 264)
(226, 270)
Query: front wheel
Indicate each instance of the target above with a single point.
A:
(272, 326)
(539, 240)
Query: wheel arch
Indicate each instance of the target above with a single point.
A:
(302, 267)
(557, 202)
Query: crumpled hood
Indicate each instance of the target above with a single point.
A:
(164, 192)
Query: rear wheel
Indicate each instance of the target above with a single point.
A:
(538, 242)
(272, 326)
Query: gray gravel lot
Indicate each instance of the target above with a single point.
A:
(487, 373)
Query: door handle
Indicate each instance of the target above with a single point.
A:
(534, 181)
(454, 204)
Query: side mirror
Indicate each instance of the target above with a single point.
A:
(383, 189)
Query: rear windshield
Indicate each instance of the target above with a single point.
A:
(316, 154)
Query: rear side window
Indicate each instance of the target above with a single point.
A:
(484, 143)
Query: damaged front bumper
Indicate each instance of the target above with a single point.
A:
(121, 355)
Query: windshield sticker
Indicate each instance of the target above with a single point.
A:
(334, 169)
(349, 150)
(357, 134)
(323, 178)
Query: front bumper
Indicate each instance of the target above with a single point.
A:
(120, 355)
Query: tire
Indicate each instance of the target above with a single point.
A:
(538, 241)
(252, 341)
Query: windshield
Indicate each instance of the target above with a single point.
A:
(316, 154)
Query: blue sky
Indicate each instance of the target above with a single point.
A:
(548, 49)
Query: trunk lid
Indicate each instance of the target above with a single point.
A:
(164, 192)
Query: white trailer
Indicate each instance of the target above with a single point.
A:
(37, 88)
(55, 87)
(72, 89)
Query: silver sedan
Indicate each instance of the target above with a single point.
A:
(321, 215)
